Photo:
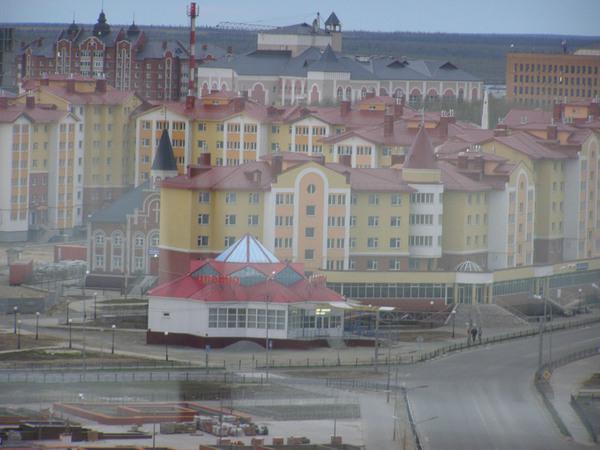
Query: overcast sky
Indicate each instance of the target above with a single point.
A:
(578, 17)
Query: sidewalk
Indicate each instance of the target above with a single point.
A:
(566, 380)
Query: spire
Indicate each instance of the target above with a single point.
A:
(332, 21)
(164, 159)
(421, 155)
(485, 113)
(101, 28)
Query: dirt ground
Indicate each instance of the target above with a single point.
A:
(37, 252)
(593, 382)
(8, 341)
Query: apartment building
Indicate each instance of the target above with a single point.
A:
(544, 78)
(41, 184)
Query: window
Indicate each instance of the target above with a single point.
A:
(372, 264)
(253, 198)
(139, 240)
(253, 219)
(230, 197)
(396, 199)
(204, 197)
(230, 219)
(373, 221)
(229, 240)
(99, 239)
(395, 242)
(310, 210)
(373, 199)
(309, 232)
(117, 240)
(203, 219)
(202, 241)
(311, 188)
(309, 254)
(372, 242)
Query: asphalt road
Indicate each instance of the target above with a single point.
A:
(485, 398)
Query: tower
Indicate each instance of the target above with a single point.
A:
(164, 164)
(192, 13)
(334, 27)
(485, 113)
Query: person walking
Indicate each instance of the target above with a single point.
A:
(474, 333)
(479, 333)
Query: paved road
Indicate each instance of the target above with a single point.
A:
(485, 398)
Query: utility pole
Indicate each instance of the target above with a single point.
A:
(376, 339)
(542, 326)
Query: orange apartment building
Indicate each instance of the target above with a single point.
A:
(542, 79)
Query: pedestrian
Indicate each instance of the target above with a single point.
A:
(474, 333)
(479, 333)
(468, 334)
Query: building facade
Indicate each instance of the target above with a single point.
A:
(127, 58)
(303, 64)
(542, 79)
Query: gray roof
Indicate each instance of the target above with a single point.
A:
(118, 210)
(281, 63)
(332, 20)
(299, 28)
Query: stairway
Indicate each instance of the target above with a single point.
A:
(488, 316)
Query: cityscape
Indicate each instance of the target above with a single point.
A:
(297, 233)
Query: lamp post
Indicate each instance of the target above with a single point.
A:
(37, 324)
(95, 295)
(15, 311)
(166, 346)
(112, 349)
(542, 326)
(267, 343)
(453, 321)
(18, 334)
(431, 303)
(70, 333)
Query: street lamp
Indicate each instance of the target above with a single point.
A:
(453, 321)
(70, 334)
(37, 324)
(542, 327)
(15, 311)
(166, 346)
(112, 350)
(19, 334)
(432, 303)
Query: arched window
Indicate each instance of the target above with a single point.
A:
(349, 93)
(117, 239)
(139, 240)
(99, 238)
(363, 92)
(340, 93)
(398, 93)
(415, 97)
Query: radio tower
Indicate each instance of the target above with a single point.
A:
(192, 12)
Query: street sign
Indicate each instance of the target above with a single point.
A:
(153, 251)
(207, 348)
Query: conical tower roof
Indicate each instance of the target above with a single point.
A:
(332, 20)
(247, 250)
(164, 159)
(421, 155)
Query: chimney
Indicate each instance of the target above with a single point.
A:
(398, 159)
(276, 165)
(71, 84)
(238, 104)
(398, 108)
(30, 100)
(190, 102)
(45, 81)
(552, 132)
(557, 112)
(256, 176)
(345, 160)
(443, 124)
(479, 164)
(204, 159)
(388, 124)
(101, 85)
(462, 160)
(320, 159)
(344, 107)
(501, 130)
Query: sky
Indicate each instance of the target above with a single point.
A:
(575, 17)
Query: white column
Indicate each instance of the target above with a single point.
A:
(282, 91)
(353, 157)
(293, 92)
(242, 123)
(225, 143)
(310, 136)
(293, 139)
(335, 153)
(373, 157)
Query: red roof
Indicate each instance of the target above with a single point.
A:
(36, 115)
(530, 146)
(192, 287)
(420, 155)
(112, 96)
(516, 117)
